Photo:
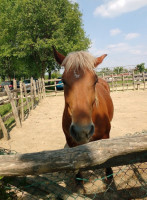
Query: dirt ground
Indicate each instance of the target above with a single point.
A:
(43, 129)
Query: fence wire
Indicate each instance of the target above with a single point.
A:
(129, 182)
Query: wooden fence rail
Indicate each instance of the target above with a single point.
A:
(98, 154)
(21, 99)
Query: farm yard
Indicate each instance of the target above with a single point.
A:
(41, 132)
(43, 129)
(50, 46)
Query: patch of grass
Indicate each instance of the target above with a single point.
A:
(4, 109)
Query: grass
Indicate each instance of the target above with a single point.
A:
(4, 109)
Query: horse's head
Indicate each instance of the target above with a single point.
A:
(79, 81)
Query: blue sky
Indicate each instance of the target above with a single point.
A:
(118, 28)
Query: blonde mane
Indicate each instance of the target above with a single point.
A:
(79, 60)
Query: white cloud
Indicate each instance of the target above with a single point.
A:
(115, 8)
(114, 32)
(131, 36)
(120, 54)
(118, 48)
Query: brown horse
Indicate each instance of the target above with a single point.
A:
(88, 106)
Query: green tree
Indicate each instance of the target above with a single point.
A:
(118, 70)
(29, 28)
(140, 67)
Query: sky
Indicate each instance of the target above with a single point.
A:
(117, 28)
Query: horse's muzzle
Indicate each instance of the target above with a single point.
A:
(81, 134)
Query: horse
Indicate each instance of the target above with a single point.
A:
(88, 105)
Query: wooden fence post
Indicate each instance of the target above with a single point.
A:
(40, 89)
(143, 80)
(4, 130)
(15, 93)
(37, 89)
(133, 80)
(14, 109)
(21, 97)
(32, 96)
(26, 96)
(43, 85)
(123, 81)
(55, 88)
(34, 85)
(112, 83)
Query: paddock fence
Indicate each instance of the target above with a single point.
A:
(22, 99)
(120, 82)
(51, 174)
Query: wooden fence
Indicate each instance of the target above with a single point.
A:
(22, 98)
(121, 82)
(61, 164)
(51, 87)
(126, 81)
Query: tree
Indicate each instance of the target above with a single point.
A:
(118, 70)
(29, 28)
(140, 67)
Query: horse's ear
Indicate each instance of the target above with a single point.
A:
(58, 56)
(99, 60)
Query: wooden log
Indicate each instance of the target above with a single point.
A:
(4, 130)
(98, 154)
(21, 97)
(14, 109)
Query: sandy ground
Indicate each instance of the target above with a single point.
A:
(43, 129)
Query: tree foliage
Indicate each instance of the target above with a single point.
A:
(118, 70)
(29, 28)
(140, 67)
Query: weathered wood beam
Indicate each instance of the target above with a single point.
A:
(99, 154)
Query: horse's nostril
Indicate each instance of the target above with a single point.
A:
(91, 130)
(81, 132)
(72, 131)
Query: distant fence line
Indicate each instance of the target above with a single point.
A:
(120, 82)
(126, 81)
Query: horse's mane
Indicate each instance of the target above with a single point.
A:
(79, 60)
